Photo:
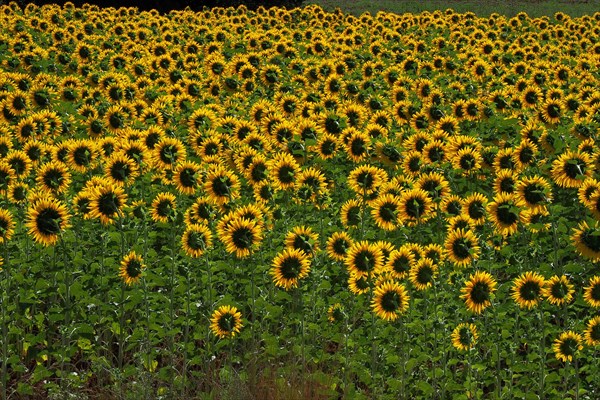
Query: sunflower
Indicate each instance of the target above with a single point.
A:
(338, 245)
(264, 192)
(475, 207)
(413, 163)
(226, 321)
(592, 332)
(283, 169)
(120, 169)
(435, 184)
(81, 155)
(7, 225)
(186, 176)
(168, 152)
(464, 336)
(524, 155)
(288, 267)
(357, 144)
(535, 191)
(19, 162)
(591, 293)
(302, 238)
(385, 211)
(415, 206)
(131, 268)
(558, 290)
(587, 240)
(351, 213)
(552, 110)
(527, 289)
(327, 146)
(366, 179)
(567, 344)
(53, 177)
(570, 169)
(467, 160)
(46, 219)
(107, 202)
(505, 181)
(434, 252)
(452, 205)
(358, 284)
(222, 185)
(435, 152)
(240, 236)
(478, 291)
(364, 258)
(17, 192)
(400, 262)
(536, 220)
(335, 313)
(390, 300)
(505, 213)
(422, 273)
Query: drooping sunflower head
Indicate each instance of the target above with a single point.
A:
(478, 290)
(567, 345)
(464, 336)
(226, 322)
(527, 289)
(131, 269)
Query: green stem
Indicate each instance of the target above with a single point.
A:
(121, 327)
(542, 353)
(186, 333)
(576, 379)
(5, 296)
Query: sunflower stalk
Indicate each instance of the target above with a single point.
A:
(5, 296)
(541, 349)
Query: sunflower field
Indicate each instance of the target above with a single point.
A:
(298, 204)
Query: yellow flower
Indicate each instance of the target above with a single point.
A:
(226, 321)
